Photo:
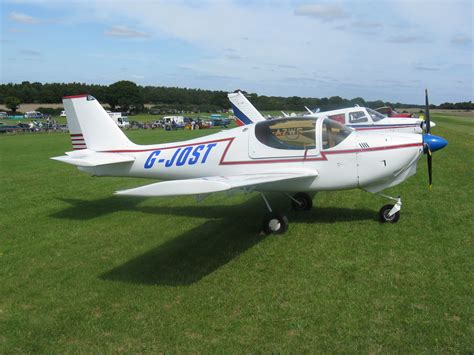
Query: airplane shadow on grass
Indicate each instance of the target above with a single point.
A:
(186, 259)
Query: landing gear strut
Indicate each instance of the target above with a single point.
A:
(277, 223)
(274, 223)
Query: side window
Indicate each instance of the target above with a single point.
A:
(287, 134)
(333, 133)
(338, 118)
(376, 116)
(357, 117)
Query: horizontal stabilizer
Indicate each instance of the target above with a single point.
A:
(212, 184)
(88, 158)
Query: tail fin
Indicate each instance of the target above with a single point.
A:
(245, 112)
(91, 127)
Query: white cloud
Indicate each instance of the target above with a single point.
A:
(125, 32)
(30, 52)
(462, 40)
(323, 12)
(23, 18)
(367, 25)
(406, 39)
(425, 68)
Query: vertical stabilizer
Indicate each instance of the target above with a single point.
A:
(91, 127)
(245, 112)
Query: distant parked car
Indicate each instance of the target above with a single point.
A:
(137, 124)
(34, 115)
(3, 115)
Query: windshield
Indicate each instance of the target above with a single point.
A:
(333, 133)
(291, 133)
(376, 116)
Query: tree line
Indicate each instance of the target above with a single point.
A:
(128, 96)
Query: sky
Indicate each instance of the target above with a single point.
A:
(386, 49)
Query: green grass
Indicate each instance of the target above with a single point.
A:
(84, 271)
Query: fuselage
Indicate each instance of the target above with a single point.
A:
(342, 157)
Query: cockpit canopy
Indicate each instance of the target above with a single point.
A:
(333, 133)
(300, 133)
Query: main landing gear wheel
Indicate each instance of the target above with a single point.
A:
(385, 217)
(301, 202)
(275, 223)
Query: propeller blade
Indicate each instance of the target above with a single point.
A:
(430, 168)
(427, 113)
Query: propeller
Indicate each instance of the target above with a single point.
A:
(431, 143)
(428, 131)
(430, 169)
(427, 114)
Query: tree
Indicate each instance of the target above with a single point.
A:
(12, 103)
(125, 94)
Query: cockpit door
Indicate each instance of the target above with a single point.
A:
(293, 138)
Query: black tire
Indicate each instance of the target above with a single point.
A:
(305, 202)
(275, 223)
(385, 218)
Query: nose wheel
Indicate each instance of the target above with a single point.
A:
(390, 213)
(385, 217)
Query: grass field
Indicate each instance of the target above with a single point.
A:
(84, 271)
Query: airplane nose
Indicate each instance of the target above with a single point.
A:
(434, 143)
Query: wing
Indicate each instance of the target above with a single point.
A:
(202, 186)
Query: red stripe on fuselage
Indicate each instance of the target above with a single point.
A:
(388, 127)
(322, 156)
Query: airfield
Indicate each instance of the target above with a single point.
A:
(84, 271)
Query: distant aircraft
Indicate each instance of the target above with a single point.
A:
(297, 156)
(244, 111)
(359, 118)
(390, 112)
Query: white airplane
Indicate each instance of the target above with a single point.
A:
(296, 156)
(359, 118)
